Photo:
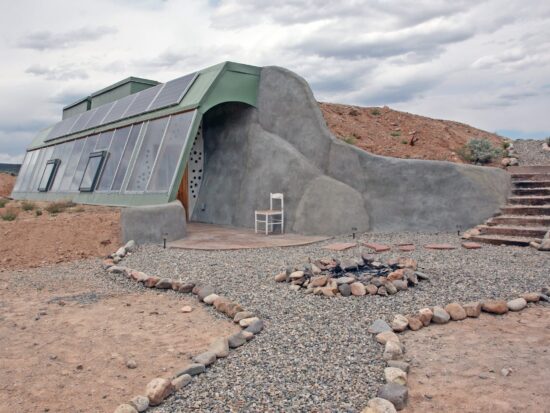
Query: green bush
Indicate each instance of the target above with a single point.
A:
(404, 142)
(375, 112)
(38, 212)
(3, 202)
(479, 151)
(395, 134)
(9, 215)
(27, 206)
(59, 206)
(350, 139)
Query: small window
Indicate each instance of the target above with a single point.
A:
(48, 175)
(92, 171)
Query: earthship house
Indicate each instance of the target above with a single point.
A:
(210, 147)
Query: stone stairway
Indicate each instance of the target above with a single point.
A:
(526, 217)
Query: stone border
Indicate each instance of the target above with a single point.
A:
(159, 389)
(393, 395)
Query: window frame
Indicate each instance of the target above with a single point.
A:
(53, 173)
(98, 154)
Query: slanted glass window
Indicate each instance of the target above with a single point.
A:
(91, 173)
(48, 175)
(115, 153)
(126, 156)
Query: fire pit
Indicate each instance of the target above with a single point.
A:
(356, 276)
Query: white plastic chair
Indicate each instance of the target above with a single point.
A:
(271, 217)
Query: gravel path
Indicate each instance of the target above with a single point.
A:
(315, 353)
(529, 152)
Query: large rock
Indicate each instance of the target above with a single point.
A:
(242, 315)
(531, 297)
(181, 381)
(358, 289)
(157, 390)
(399, 323)
(164, 284)
(140, 403)
(126, 408)
(204, 291)
(319, 281)
(472, 309)
(395, 375)
(517, 305)
(378, 405)
(392, 351)
(395, 393)
(220, 347)
(456, 311)
(345, 290)
(495, 306)
(236, 340)
(414, 323)
(440, 316)
(425, 315)
(386, 336)
(379, 326)
(193, 369)
(255, 327)
(207, 358)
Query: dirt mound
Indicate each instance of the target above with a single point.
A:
(7, 182)
(388, 132)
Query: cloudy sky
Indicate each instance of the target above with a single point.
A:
(486, 63)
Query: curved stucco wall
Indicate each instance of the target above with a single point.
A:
(330, 187)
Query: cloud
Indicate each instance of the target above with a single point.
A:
(7, 158)
(57, 73)
(44, 40)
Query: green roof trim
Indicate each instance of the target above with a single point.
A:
(130, 79)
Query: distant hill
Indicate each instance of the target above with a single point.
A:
(388, 132)
(11, 168)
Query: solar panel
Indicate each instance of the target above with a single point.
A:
(62, 128)
(100, 113)
(119, 108)
(142, 101)
(82, 121)
(173, 92)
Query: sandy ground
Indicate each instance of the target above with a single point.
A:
(6, 184)
(65, 341)
(457, 367)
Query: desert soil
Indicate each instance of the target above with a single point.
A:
(67, 334)
(6, 184)
(457, 367)
(388, 132)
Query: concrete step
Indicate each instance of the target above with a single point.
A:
(529, 200)
(529, 169)
(525, 210)
(502, 239)
(516, 231)
(531, 184)
(531, 192)
(520, 220)
(531, 177)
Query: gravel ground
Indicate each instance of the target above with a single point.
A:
(315, 353)
(529, 152)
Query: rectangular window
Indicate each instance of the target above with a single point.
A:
(92, 171)
(48, 175)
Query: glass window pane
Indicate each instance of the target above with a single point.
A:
(113, 158)
(90, 173)
(86, 151)
(30, 170)
(70, 165)
(22, 172)
(147, 153)
(104, 141)
(125, 160)
(63, 156)
(170, 154)
(48, 175)
(45, 156)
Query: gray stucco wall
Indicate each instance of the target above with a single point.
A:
(329, 186)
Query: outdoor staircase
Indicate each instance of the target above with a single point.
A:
(526, 217)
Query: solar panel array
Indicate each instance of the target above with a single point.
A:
(154, 98)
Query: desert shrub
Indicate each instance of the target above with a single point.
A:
(38, 212)
(404, 142)
(479, 151)
(350, 139)
(59, 206)
(9, 214)
(395, 134)
(3, 202)
(375, 112)
(27, 206)
(354, 112)
(505, 145)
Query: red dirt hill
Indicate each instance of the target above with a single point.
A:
(388, 132)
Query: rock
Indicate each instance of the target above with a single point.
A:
(236, 340)
(379, 326)
(378, 405)
(358, 289)
(545, 297)
(151, 281)
(327, 291)
(425, 316)
(371, 289)
(390, 288)
(116, 259)
(176, 285)
(115, 269)
(400, 285)
(531, 297)
(209, 299)
(396, 275)
(382, 291)
(232, 309)
(405, 262)
(544, 245)
(440, 246)
(399, 323)
(348, 265)
(411, 277)
(505, 372)
(193, 369)
(296, 275)
(377, 247)
(471, 245)
(440, 316)
(315, 269)
(204, 291)
(207, 358)
(245, 322)
(472, 309)
(138, 276)
(157, 390)
(348, 279)
(131, 364)
(395, 393)
(186, 309)
(181, 381)
(220, 347)
(255, 327)
(121, 252)
(399, 364)
(517, 304)
(126, 408)
(377, 282)
(456, 311)
(241, 315)
(281, 277)
(422, 276)
(247, 335)
(345, 290)
(140, 403)
(386, 336)
(414, 323)
(319, 281)
(392, 351)
(295, 287)
(130, 246)
(186, 288)
(395, 375)
(495, 306)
